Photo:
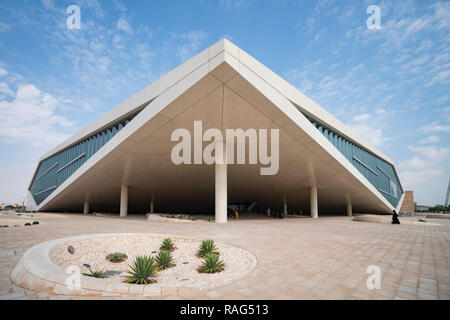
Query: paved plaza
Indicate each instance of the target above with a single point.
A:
(298, 258)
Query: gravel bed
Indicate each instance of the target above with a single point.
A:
(238, 262)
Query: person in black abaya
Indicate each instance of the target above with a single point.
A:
(395, 218)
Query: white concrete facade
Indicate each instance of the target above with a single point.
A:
(225, 88)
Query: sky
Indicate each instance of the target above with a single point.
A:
(390, 85)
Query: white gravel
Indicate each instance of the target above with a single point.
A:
(238, 262)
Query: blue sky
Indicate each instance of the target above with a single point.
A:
(390, 85)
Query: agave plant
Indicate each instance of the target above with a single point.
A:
(116, 257)
(211, 264)
(206, 247)
(164, 260)
(95, 273)
(142, 270)
(167, 245)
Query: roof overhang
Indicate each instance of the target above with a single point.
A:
(268, 99)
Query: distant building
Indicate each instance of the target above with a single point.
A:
(2, 206)
(408, 202)
(422, 207)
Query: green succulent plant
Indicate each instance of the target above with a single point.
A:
(142, 270)
(116, 257)
(27, 224)
(164, 260)
(35, 222)
(211, 264)
(167, 245)
(206, 247)
(95, 274)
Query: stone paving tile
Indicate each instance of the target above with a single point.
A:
(297, 258)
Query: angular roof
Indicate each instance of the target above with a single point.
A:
(222, 62)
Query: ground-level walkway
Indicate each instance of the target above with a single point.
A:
(297, 258)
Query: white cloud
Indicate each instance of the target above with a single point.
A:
(432, 153)
(429, 139)
(361, 117)
(3, 72)
(4, 26)
(423, 182)
(194, 41)
(234, 4)
(120, 6)
(427, 172)
(31, 118)
(5, 90)
(124, 25)
(435, 127)
(373, 135)
(415, 162)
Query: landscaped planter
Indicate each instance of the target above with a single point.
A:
(43, 267)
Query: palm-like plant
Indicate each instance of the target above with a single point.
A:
(167, 245)
(206, 247)
(142, 270)
(164, 260)
(211, 264)
(95, 274)
(116, 257)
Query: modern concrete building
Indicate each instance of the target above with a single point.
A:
(122, 162)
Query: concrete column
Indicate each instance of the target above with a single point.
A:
(313, 204)
(268, 212)
(152, 206)
(221, 193)
(285, 211)
(86, 208)
(349, 209)
(124, 200)
(221, 185)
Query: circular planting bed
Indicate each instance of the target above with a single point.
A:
(47, 267)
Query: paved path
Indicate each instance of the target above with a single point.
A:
(298, 258)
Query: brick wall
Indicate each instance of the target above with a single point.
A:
(408, 202)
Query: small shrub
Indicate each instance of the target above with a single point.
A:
(27, 224)
(116, 257)
(206, 247)
(164, 260)
(5, 226)
(167, 244)
(95, 274)
(142, 270)
(35, 222)
(211, 264)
